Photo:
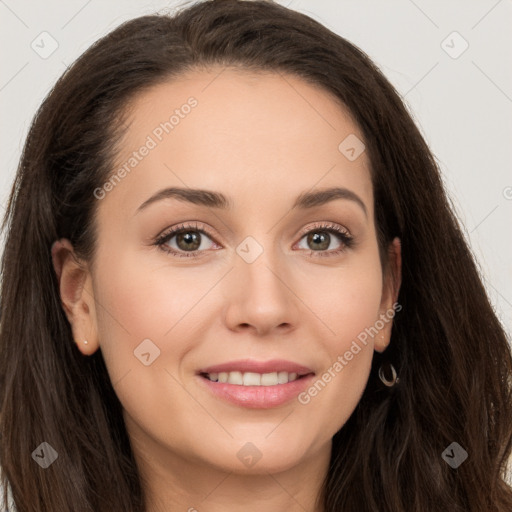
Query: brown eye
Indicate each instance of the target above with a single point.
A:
(188, 241)
(319, 240)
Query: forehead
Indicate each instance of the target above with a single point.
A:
(253, 135)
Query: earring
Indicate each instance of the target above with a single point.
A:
(85, 341)
(385, 381)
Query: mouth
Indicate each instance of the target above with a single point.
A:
(256, 385)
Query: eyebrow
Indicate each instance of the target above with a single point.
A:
(218, 200)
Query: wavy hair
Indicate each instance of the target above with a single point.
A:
(450, 349)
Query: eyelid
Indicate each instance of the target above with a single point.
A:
(324, 225)
(199, 226)
(182, 227)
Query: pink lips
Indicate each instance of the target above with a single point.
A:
(257, 397)
(248, 365)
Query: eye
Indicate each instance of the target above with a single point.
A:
(189, 240)
(320, 239)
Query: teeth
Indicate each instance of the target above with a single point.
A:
(253, 379)
(235, 378)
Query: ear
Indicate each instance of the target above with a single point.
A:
(76, 294)
(392, 280)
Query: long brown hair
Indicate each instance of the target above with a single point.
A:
(448, 346)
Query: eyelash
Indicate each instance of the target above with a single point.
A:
(346, 239)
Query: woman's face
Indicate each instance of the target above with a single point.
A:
(260, 291)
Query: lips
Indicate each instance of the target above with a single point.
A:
(265, 393)
(248, 365)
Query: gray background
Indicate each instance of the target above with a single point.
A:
(462, 105)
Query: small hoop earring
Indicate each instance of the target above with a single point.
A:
(385, 381)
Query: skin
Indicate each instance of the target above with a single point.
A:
(261, 140)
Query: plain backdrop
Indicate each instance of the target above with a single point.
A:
(450, 62)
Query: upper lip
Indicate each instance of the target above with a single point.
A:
(250, 365)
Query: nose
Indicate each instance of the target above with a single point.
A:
(261, 296)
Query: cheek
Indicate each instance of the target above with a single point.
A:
(147, 300)
(346, 299)
(348, 302)
(137, 303)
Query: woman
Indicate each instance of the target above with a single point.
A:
(232, 278)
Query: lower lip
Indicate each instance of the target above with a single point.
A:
(257, 397)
